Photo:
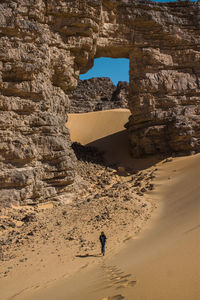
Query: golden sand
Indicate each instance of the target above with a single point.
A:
(163, 261)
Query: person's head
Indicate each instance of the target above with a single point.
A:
(102, 233)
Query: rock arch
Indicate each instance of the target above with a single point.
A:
(46, 44)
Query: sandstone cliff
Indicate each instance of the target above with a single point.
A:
(44, 47)
(98, 94)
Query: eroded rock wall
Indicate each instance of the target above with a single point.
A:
(43, 47)
(165, 102)
(39, 55)
(165, 86)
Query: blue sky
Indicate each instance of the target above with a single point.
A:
(115, 68)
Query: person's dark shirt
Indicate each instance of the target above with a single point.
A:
(102, 239)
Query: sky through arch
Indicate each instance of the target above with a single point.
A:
(117, 69)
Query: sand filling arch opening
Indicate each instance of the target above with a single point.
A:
(99, 110)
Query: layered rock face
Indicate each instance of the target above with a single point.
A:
(37, 71)
(98, 94)
(165, 87)
(46, 44)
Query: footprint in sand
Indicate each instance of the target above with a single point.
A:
(116, 297)
(117, 279)
(132, 283)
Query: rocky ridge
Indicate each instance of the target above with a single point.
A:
(98, 94)
(44, 47)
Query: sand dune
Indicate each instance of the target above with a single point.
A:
(88, 127)
(162, 262)
(166, 259)
(105, 131)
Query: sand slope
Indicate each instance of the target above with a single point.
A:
(88, 127)
(166, 259)
(162, 263)
(105, 131)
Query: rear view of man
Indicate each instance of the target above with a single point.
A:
(102, 239)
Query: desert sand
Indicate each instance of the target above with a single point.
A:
(105, 130)
(88, 127)
(152, 225)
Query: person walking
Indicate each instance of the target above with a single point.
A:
(102, 239)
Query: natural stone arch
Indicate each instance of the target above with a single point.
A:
(164, 72)
(43, 47)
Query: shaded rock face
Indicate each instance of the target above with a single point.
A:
(46, 44)
(98, 94)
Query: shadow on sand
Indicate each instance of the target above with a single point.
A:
(89, 255)
(116, 153)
